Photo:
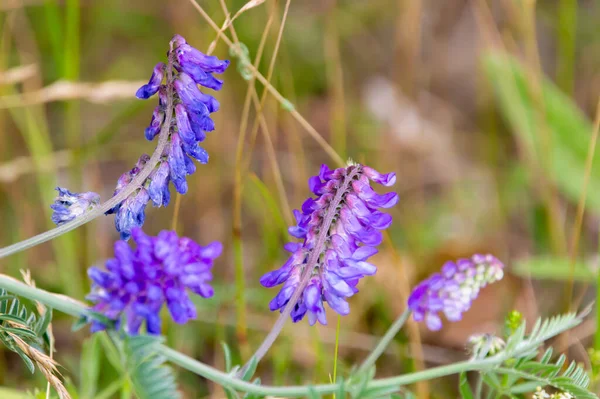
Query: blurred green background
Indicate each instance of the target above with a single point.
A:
(484, 109)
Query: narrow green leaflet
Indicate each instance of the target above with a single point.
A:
(151, 378)
(550, 126)
(463, 387)
(553, 268)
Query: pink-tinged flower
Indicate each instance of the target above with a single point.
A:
(339, 229)
(452, 291)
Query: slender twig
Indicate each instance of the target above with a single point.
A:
(581, 206)
(238, 248)
(251, 68)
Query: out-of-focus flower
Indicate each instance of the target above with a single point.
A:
(160, 270)
(340, 229)
(187, 68)
(483, 345)
(542, 394)
(453, 290)
(67, 205)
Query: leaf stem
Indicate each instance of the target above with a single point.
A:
(75, 308)
(385, 340)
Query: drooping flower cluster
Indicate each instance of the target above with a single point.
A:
(453, 290)
(340, 229)
(179, 79)
(136, 283)
(67, 205)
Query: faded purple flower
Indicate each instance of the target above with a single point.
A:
(160, 270)
(67, 205)
(340, 229)
(190, 110)
(453, 289)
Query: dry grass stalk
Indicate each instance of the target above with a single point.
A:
(64, 90)
(51, 373)
(45, 364)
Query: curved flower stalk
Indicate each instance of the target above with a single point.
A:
(453, 289)
(340, 229)
(187, 68)
(137, 283)
(67, 205)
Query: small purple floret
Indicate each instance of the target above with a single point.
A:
(160, 270)
(453, 290)
(350, 240)
(67, 205)
(151, 88)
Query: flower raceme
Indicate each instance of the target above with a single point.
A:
(452, 291)
(186, 69)
(67, 205)
(137, 283)
(340, 230)
(177, 86)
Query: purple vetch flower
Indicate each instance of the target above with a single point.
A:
(67, 205)
(453, 289)
(190, 109)
(340, 229)
(160, 270)
(131, 212)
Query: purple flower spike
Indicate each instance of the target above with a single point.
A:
(161, 270)
(452, 291)
(177, 86)
(67, 205)
(340, 229)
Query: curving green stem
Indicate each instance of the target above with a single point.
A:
(76, 308)
(385, 340)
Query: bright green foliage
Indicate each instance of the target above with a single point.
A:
(547, 124)
(554, 268)
(463, 386)
(573, 379)
(17, 320)
(150, 377)
(522, 373)
(515, 369)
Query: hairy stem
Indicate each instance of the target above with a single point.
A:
(75, 308)
(311, 263)
(384, 341)
(136, 183)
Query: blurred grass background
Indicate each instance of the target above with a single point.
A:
(484, 109)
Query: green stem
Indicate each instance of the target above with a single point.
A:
(597, 334)
(337, 345)
(479, 386)
(385, 340)
(75, 308)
